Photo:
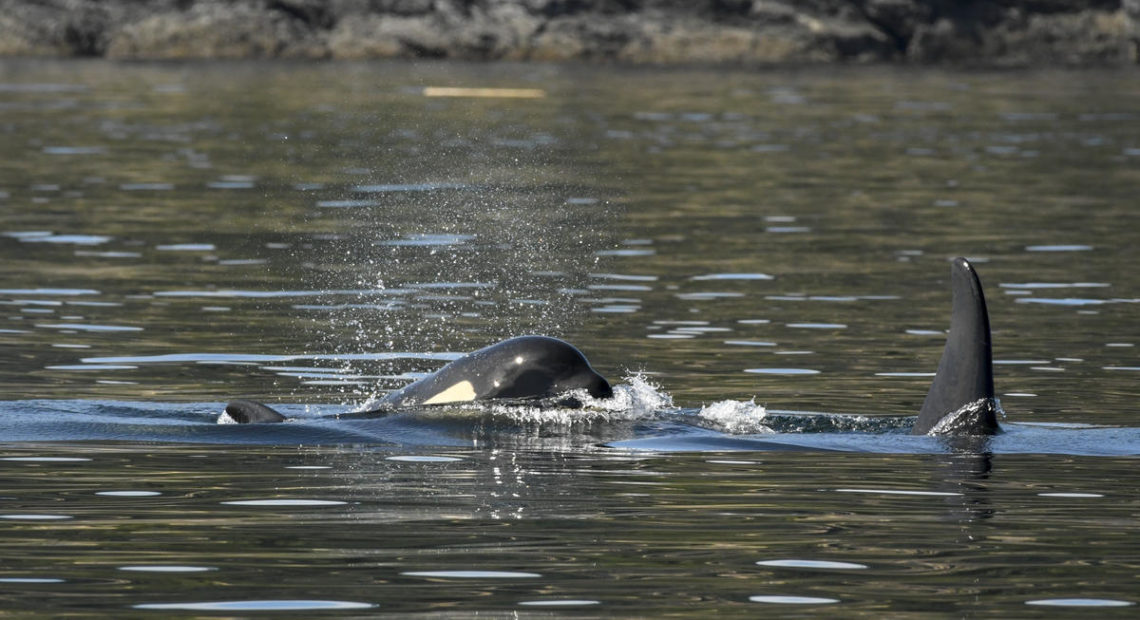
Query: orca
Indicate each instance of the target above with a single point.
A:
(960, 401)
(245, 411)
(961, 397)
(521, 368)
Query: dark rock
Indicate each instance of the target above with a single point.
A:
(995, 32)
(313, 13)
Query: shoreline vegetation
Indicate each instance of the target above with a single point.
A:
(1000, 33)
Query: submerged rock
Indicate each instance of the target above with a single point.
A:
(999, 32)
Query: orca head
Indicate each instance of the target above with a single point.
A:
(537, 367)
(961, 397)
(588, 379)
(525, 367)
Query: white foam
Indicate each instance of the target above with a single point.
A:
(636, 399)
(735, 417)
(638, 396)
(966, 414)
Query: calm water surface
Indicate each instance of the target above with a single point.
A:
(732, 249)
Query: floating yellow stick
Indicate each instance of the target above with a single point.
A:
(511, 93)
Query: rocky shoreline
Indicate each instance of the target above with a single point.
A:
(736, 32)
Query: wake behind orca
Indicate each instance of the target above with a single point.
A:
(545, 371)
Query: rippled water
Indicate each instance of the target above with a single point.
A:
(733, 249)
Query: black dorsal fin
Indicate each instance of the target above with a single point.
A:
(250, 412)
(965, 373)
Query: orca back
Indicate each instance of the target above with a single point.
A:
(245, 411)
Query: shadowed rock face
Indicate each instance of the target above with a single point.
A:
(998, 32)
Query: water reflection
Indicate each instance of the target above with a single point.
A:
(384, 534)
(560, 603)
(155, 568)
(821, 564)
(784, 599)
(471, 574)
(267, 605)
(967, 473)
(1080, 602)
(284, 502)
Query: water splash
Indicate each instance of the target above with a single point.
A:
(460, 256)
(967, 417)
(735, 417)
(637, 399)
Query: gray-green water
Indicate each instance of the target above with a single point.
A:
(175, 235)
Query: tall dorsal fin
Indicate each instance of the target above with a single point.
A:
(965, 373)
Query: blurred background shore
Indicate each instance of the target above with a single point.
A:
(998, 33)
